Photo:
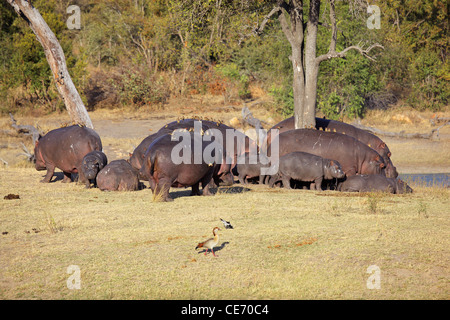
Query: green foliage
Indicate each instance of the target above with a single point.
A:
(152, 38)
(344, 84)
(138, 88)
(232, 72)
(284, 99)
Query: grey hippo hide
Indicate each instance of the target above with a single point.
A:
(92, 163)
(306, 167)
(353, 156)
(370, 183)
(64, 148)
(118, 175)
(163, 171)
(363, 136)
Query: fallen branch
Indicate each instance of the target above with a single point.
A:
(400, 134)
(27, 130)
(255, 123)
(435, 120)
(26, 153)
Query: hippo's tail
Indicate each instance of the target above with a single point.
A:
(152, 161)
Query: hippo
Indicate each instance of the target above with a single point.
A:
(118, 175)
(64, 148)
(365, 137)
(225, 177)
(369, 183)
(353, 156)
(304, 166)
(92, 163)
(137, 157)
(246, 170)
(163, 171)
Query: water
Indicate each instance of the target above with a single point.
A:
(428, 179)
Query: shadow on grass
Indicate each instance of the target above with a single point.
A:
(214, 191)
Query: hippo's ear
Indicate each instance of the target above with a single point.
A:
(389, 154)
(331, 163)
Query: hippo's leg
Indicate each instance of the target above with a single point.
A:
(261, 179)
(162, 190)
(49, 174)
(82, 178)
(195, 189)
(241, 178)
(286, 181)
(207, 181)
(318, 184)
(273, 179)
(67, 177)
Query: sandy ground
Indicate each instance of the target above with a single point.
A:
(121, 131)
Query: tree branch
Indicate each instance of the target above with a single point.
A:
(332, 53)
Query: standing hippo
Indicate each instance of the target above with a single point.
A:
(247, 170)
(163, 171)
(118, 175)
(65, 148)
(369, 183)
(234, 142)
(306, 167)
(353, 156)
(137, 157)
(365, 137)
(92, 163)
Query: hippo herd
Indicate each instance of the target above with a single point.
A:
(194, 153)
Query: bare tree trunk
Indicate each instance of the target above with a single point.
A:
(311, 69)
(56, 60)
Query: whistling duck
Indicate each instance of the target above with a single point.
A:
(227, 224)
(210, 243)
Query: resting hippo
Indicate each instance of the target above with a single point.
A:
(65, 148)
(307, 167)
(163, 171)
(365, 137)
(92, 163)
(368, 183)
(118, 175)
(246, 170)
(354, 156)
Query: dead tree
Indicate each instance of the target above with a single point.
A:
(56, 59)
(27, 130)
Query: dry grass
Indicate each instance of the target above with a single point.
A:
(287, 244)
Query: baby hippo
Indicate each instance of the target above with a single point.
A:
(118, 175)
(248, 167)
(375, 182)
(306, 167)
(91, 165)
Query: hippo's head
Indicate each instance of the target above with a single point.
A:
(91, 166)
(402, 187)
(333, 169)
(374, 166)
(390, 170)
(144, 171)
